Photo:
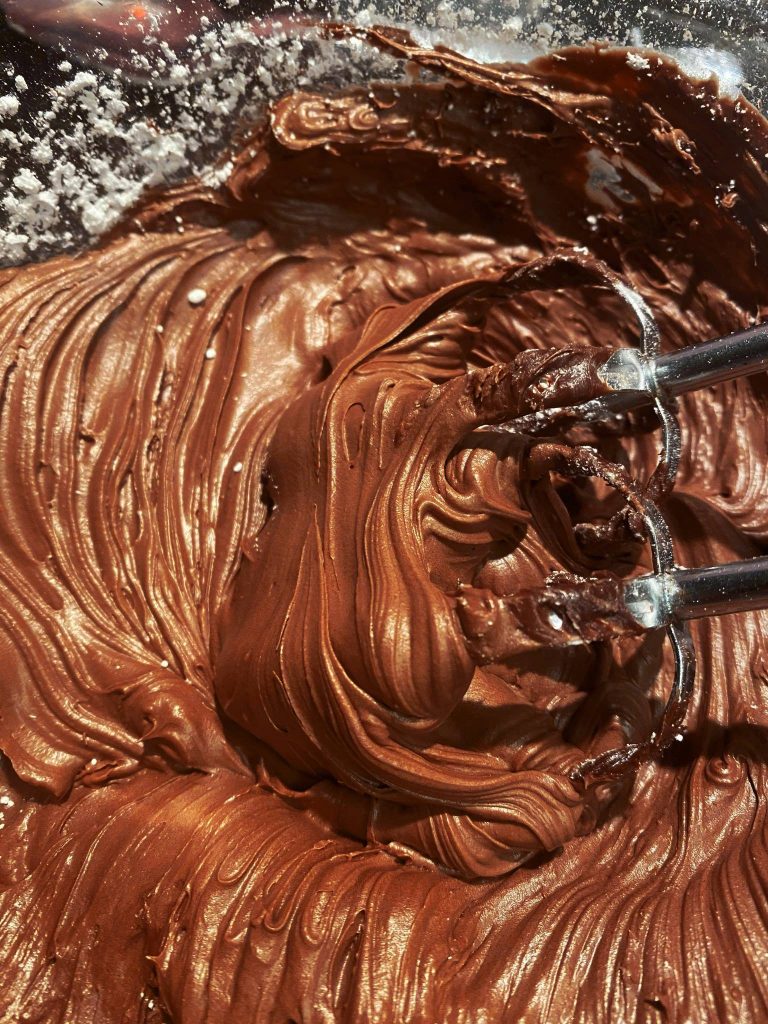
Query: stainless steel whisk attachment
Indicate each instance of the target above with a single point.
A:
(635, 379)
(574, 610)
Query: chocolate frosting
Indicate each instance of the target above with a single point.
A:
(284, 738)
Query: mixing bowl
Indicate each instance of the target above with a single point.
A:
(117, 121)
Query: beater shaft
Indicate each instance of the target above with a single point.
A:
(656, 600)
(637, 379)
(576, 611)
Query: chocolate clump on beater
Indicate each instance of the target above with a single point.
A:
(261, 761)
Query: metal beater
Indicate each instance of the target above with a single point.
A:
(670, 595)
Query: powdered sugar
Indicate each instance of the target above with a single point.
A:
(638, 62)
(100, 139)
(9, 106)
(75, 156)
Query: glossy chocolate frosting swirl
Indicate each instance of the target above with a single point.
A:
(260, 764)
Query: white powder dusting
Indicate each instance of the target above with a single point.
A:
(27, 182)
(76, 156)
(96, 141)
(638, 62)
(9, 106)
(706, 62)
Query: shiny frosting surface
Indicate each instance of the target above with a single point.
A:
(276, 748)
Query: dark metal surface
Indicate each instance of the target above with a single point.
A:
(720, 589)
(712, 362)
